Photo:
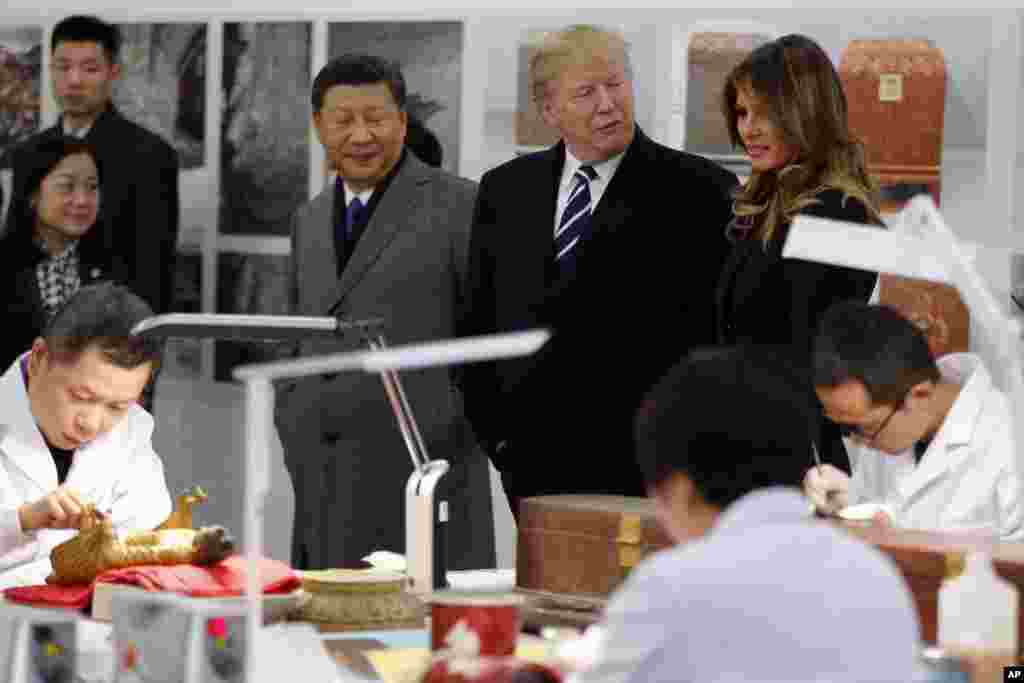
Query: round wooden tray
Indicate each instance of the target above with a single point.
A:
(331, 581)
(352, 599)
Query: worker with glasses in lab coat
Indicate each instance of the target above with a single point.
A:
(930, 440)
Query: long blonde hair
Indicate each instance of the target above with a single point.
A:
(805, 98)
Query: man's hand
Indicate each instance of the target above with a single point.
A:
(828, 488)
(882, 520)
(59, 509)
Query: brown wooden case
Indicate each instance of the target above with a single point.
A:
(926, 558)
(583, 544)
(935, 308)
(896, 95)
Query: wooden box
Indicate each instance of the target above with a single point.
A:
(935, 308)
(896, 95)
(926, 558)
(583, 545)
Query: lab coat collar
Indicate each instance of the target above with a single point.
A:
(957, 430)
(773, 505)
(20, 438)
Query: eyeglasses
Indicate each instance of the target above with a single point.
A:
(858, 431)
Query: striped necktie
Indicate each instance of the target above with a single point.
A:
(575, 218)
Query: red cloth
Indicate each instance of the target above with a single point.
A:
(225, 578)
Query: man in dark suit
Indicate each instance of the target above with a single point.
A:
(387, 240)
(139, 211)
(611, 240)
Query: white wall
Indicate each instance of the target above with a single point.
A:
(199, 430)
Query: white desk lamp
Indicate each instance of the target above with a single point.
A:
(422, 512)
(921, 245)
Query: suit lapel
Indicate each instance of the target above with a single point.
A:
(102, 128)
(536, 236)
(317, 246)
(614, 207)
(29, 286)
(399, 207)
(614, 210)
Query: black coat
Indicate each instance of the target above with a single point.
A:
(640, 299)
(20, 299)
(764, 299)
(139, 211)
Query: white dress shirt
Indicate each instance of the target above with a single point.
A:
(605, 172)
(969, 479)
(119, 472)
(79, 133)
(351, 194)
(769, 595)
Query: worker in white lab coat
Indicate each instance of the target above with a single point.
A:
(932, 441)
(72, 432)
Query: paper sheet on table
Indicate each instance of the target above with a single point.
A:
(865, 512)
(395, 665)
(385, 559)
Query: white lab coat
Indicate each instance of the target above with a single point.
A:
(118, 472)
(969, 479)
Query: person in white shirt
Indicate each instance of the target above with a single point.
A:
(932, 441)
(72, 432)
(750, 593)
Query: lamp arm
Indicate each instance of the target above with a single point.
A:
(401, 407)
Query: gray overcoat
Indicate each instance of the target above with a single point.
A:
(342, 446)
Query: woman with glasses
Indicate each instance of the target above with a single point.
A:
(49, 248)
(784, 106)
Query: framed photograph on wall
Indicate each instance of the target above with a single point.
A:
(532, 133)
(702, 55)
(264, 155)
(20, 67)
(430, 54)
(21, 57)
(163, 84)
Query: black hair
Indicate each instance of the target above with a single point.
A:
(82, 28)
(102, 316)
(423, 143)
(732, 420)
(43, 157)
(358, 69)
(874, 345)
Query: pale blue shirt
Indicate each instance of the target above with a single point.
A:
(769, 595)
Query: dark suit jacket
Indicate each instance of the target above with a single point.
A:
(342, 446)
(24, 317)
(640, 299)
(762, 298)
(139, 212)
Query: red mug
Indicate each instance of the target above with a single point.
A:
(480, 624)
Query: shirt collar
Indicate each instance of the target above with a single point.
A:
(967, 370)
(366, 195)
(79, 133)
(61, 257)
(604, 169)
(363, 195)
(773, 505)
